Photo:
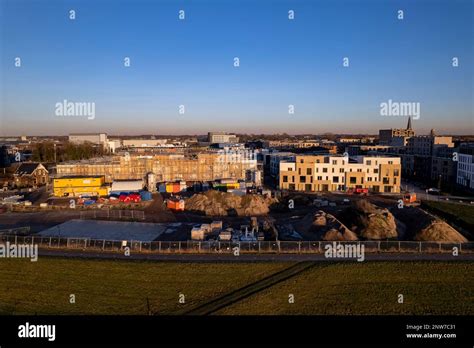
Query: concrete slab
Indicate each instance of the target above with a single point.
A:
(109, 230)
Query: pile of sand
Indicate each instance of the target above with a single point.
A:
(423, 226)
(439, 231)
(323, 226)
(215, 203)
(369, 221)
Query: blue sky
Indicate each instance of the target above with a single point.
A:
(190, 62)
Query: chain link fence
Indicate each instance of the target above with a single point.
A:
(209, 247)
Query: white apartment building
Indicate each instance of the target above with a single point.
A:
(222, 137)
(93, 138)
(465, 173)
(276, 158)
(144, 142)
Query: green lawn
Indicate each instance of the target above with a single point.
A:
(118, 287)
(369, 288)
(460, 211)
(122, 287)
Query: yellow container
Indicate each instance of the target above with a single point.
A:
(79, 181)
(71, 186)
(78, 191)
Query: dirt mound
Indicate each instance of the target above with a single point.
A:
(423, 226)
(439, 231)
(215, 203)
(323, 226)
(372, 222)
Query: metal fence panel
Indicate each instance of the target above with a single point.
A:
(388, 246)
(410, 246)
(229, 246)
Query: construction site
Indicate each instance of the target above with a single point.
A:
(206, 166)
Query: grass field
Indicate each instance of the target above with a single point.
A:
(463, 212)
(369, 288)
(117, 287)
(122, 287)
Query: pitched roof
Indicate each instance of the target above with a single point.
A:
(27, 168)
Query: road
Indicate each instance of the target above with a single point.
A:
(253, 257)
(421, 194)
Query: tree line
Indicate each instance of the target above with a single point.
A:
(44, 152)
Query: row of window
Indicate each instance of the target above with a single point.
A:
(325, 187)
(309, 171)
(335, 179)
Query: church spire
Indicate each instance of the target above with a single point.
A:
(409, 123)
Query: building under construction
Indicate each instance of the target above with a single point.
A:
(207, 166)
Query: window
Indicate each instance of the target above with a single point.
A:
(369, 162)
(353, 180)
(307, 187)
(385, 181)
(308, 171)
(369, 178)
(291, 186)
(376, 171)
(302, 178)
(359, 170)
(320, 178)
(396, 172)
(341, 170)
(285, 178)
(317, 170)
(333, 170)
(334, 161)
(325, 170)
(335, 179)
(290, 169)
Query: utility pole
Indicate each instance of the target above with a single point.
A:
(54, 145)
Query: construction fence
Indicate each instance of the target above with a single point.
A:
(113, 214)
(277, 247)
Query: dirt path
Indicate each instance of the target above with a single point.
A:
(239, 294)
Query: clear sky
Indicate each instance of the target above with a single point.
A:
(190, 63)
